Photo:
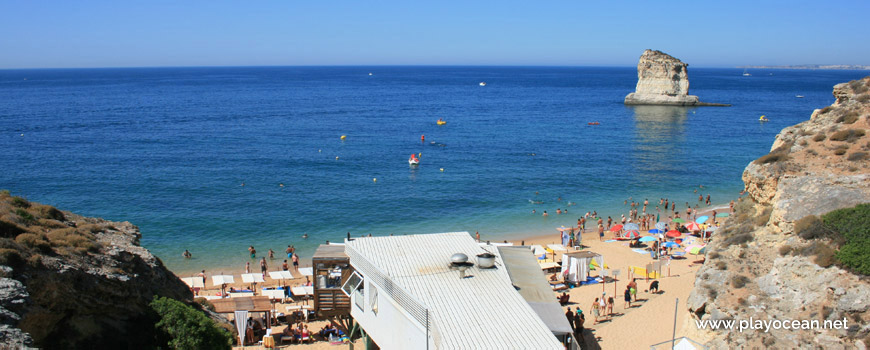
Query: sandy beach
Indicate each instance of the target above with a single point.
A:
(650, 320)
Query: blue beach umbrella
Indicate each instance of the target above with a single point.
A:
(647, 239)
(655, 230)
(631, 227)
(702, 219)
(671, 245)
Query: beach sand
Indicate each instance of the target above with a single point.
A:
(650, 320)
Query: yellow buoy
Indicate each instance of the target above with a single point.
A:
(336, 158)
(442, 169)
(343, 137)
(375, 179)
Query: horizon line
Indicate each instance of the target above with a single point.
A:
(347, 65)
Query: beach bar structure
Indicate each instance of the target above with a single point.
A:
(413, 292)
(331, 269)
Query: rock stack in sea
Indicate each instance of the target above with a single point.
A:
(71, 282)
(774, 259)
(663, 80)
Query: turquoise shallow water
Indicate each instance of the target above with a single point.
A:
(168, 148)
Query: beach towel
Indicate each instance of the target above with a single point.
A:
(640, 251)
(610, 241)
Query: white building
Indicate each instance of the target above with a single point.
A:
(405, 295)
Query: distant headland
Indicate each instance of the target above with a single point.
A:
(814, 66)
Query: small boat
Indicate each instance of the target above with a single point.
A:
(799, 96)
(441, 122)
(370, 74)
(482, 83)
(413, 160)
(746, 74)
(763, 119)
(593, 123)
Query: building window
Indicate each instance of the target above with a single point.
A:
(373, 299)
(354, 287)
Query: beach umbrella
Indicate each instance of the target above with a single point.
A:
(722, 215)
(693, 227)
(647, 239)
(670, 245)
(631, 227)
(680, 220)
(702, 219)
(697, 250)
(632, 234)
(655, 230)
(674, 233)
(616, 228)
(662, 226)
(221, 279)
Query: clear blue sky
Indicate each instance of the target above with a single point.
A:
(298, 32)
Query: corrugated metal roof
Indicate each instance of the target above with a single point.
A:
(329, 251)
(526, 275)
(481, 311)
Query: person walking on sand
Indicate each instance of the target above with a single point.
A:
(248, 267)
(477, 236)
(296, 262)
(600, 232)
(596, 310)
(602, 303)
(627, 297)
(610, 306)
(570, 316)
(609, 222)
(633, 288)
(263, 265)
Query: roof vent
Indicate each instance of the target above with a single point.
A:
(486, 260)
(460, 262)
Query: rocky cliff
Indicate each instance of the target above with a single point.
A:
(69, 282)
(662, 80)
(758, 267)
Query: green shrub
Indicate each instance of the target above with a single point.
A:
(773, 157)
(188, 328)
(739, 281)
(49, 212)
(811, 227)
(848, 118)
(25, 216)
(34, 241)
(857, 156)
(8, 229)
(763, 217)
(819, 137)
(10, 257)
(205, 303)
(20, 202)
(848, 135)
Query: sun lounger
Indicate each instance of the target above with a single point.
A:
(557, 247)
(241, 294)
(560, 286)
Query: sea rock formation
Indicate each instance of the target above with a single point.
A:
(70, 282)
(662, 80)
(757, 267)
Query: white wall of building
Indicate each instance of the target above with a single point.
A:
(391, 327)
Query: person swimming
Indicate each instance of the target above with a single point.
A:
(304, 235)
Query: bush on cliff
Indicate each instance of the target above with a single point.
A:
(187, 327)
(854, 226)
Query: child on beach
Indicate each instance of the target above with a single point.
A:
(600, 232)
(596, 311)
(627, 297)
(610, 306)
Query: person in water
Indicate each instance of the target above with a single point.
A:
(186, 254)
(253, 252)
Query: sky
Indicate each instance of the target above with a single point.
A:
(73, 34)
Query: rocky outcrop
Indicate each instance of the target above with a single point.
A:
(69, 282)
(662, 80)
(756, 267)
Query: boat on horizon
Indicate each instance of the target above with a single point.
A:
(799, 96)
(482, 83)
(746, 74)
(441, 122)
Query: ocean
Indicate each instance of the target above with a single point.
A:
(216, 159)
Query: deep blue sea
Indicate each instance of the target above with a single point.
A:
(168, 149)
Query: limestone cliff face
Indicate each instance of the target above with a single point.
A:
(662, 80)
(69, 282)
(757, 267)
